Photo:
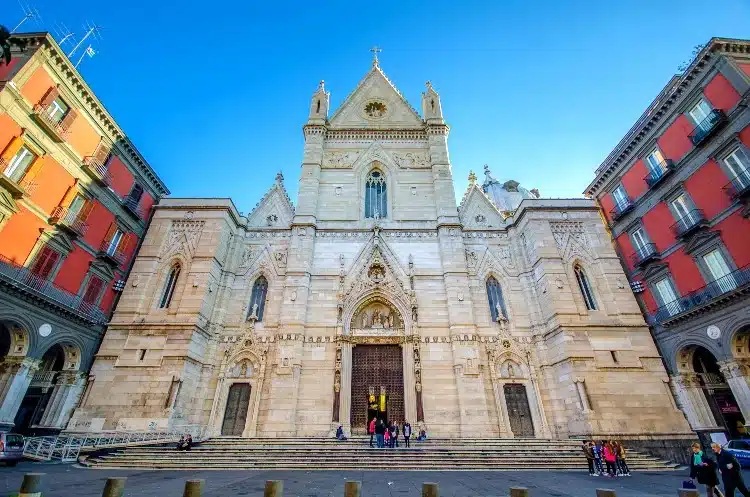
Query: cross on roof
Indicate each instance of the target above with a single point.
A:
(375, 51)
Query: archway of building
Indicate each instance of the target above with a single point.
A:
(716, 389)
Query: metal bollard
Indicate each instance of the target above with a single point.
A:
(193, 488)
(519, 492)
(430, 490)
(687, 492)
(352, 488)
(603, 492)
(274, 488)
(114, 487)
(31, 486)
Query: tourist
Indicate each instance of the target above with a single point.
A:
(380, 433)
(371, 430)
(340, 433)
(589, 454)
(189, 442)
(610, 456)
(597, 450)
(422, 435)
(731, 472)
(394, 434)
(406, 430)
(622, 465)
(181, 443)
(387, 436)
(703, 469)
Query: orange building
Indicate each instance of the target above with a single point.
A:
(75, 201)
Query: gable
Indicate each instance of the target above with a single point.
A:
(375, 103)
(477, 212)
(273, 210)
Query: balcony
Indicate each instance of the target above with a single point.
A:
(111, 253)
(620, 209)
(17, 186)
(739, 186)
(132, 205)
(21, 278)
(707, 127)
(98, 170)
(689, 223)
(645, 254)
(654, 177)
(54, 127)
(43, 379)
(71, 221)
(715, 292)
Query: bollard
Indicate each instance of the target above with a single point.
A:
(31, 486)
(687, 492)
(604, 492)
(430, 490)
(114, 487)
(352, 488)
(519, 492)
(274, 488)
(193, 488)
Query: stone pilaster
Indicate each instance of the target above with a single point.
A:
(68, 389)
(736, 374)
(693, 401)
(345, 405)
(16, 375)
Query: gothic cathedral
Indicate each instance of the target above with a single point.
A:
(374, 296)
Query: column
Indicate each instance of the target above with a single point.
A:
(693, 401)
(583, 397)
(16, 377)
(735, 373)
(345, 395)
(67, 391)
(410, 393)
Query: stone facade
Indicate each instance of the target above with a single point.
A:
(416, 276)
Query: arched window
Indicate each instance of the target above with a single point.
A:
(583, 284)
(495, 297)
(168, 292)
(376, 205)
(258, 299)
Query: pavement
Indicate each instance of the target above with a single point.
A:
(69, 480)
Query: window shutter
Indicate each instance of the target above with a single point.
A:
(102, 152)
(110, 233)
(68, 119)
(45, 262)
(49, 97)
(88, 206)
(34, 169)
(93, 289)
(12, 148)
(125, 243)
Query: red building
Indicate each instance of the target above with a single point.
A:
(675, 192)
(75, 201)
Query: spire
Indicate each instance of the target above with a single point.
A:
(319, 105)
(432, 110)
(488, 178)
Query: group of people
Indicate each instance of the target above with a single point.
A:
(611, 453)
(703, 470)
(185, 443)
(386, 434)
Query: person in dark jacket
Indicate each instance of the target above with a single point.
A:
(406, 430)
(394, 434)
(589, 454)
(703, 469)
(731, 473)
(380, 433)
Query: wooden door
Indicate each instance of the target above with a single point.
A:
(375, 366)
(519, 413)
(235, 415)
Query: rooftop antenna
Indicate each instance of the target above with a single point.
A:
(91, 30)
(64, 35)
(29, 12)
(89, 51)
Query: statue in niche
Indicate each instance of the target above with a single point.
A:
(377, 316)
(511, 370)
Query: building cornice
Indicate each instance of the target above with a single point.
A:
(660, 109)
(355, 134)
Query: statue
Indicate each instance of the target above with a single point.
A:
(254, 313)
(500, 315)
(389, 321)
(376, 318)
(511, 370)
(364, 320)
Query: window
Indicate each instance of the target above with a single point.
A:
(620, 196)
(19, 164)
(667, 297)
(57, 109)
(684, 212)
(738, 164)
(75, 207)
(136, 192)
(93, 290)
(258, 299)
(141, 354)
(654, 161)
(169, 285)
(376, 205)
(700, 111)
(720, 271)
(583, 284)
(640, 242)
(114, 242)
(495, 297)
(45, 262)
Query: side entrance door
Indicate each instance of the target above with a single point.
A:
(519, 413)
(235, 414)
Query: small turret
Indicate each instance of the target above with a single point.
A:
(431, 108)
(319, 105)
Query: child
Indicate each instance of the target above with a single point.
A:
(387, 437)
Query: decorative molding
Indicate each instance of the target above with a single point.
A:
(182, 238)
(340, 159)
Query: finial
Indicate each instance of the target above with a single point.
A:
(428, 84)
(279, 177)
(472, 177)
(322, 85)
(486, 169)
(375, 51)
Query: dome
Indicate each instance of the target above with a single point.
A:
(506, 196)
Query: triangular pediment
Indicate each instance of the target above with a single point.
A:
(700, 240)
(274, 210)
(7, 203)
(375, 103)
(477, 211)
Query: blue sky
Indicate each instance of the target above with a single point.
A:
(214, 94)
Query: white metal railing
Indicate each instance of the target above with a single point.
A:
(67, 446)
(43, 378)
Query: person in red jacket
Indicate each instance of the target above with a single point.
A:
(371, 430)
(610, 457)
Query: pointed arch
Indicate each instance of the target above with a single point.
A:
(584, 286)
(257, 304)
(495, 298)
(169, 285)
(376, 193)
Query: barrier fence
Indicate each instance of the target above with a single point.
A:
(115, 487)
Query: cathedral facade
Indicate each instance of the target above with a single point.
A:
(509, 316)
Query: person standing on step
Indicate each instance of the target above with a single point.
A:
(596, 448)
(394, 434)
(387, 436)
(589, 454)
(622, 464)
(703, 469)
(371, 430)
(380, 433)
(406, 430)
(731, 472)
(610, 457)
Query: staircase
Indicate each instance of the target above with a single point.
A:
(355, 454)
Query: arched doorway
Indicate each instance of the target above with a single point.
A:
(37, 396)
(235, 414)
(519, 412)
(717, 391)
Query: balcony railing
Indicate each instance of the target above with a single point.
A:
(43, 379)
(739, 186)
(63, 217)
(734, 281)
(54, 127)
(133, 206)
(656, 176)
(708, 127)
(113, 254)
(688, 223)
(17, 187)
(620, 209)
(644, 254)
(98, 170)
(23, 279)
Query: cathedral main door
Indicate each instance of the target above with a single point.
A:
(377, 369)
(238, 402)
(519, 413)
